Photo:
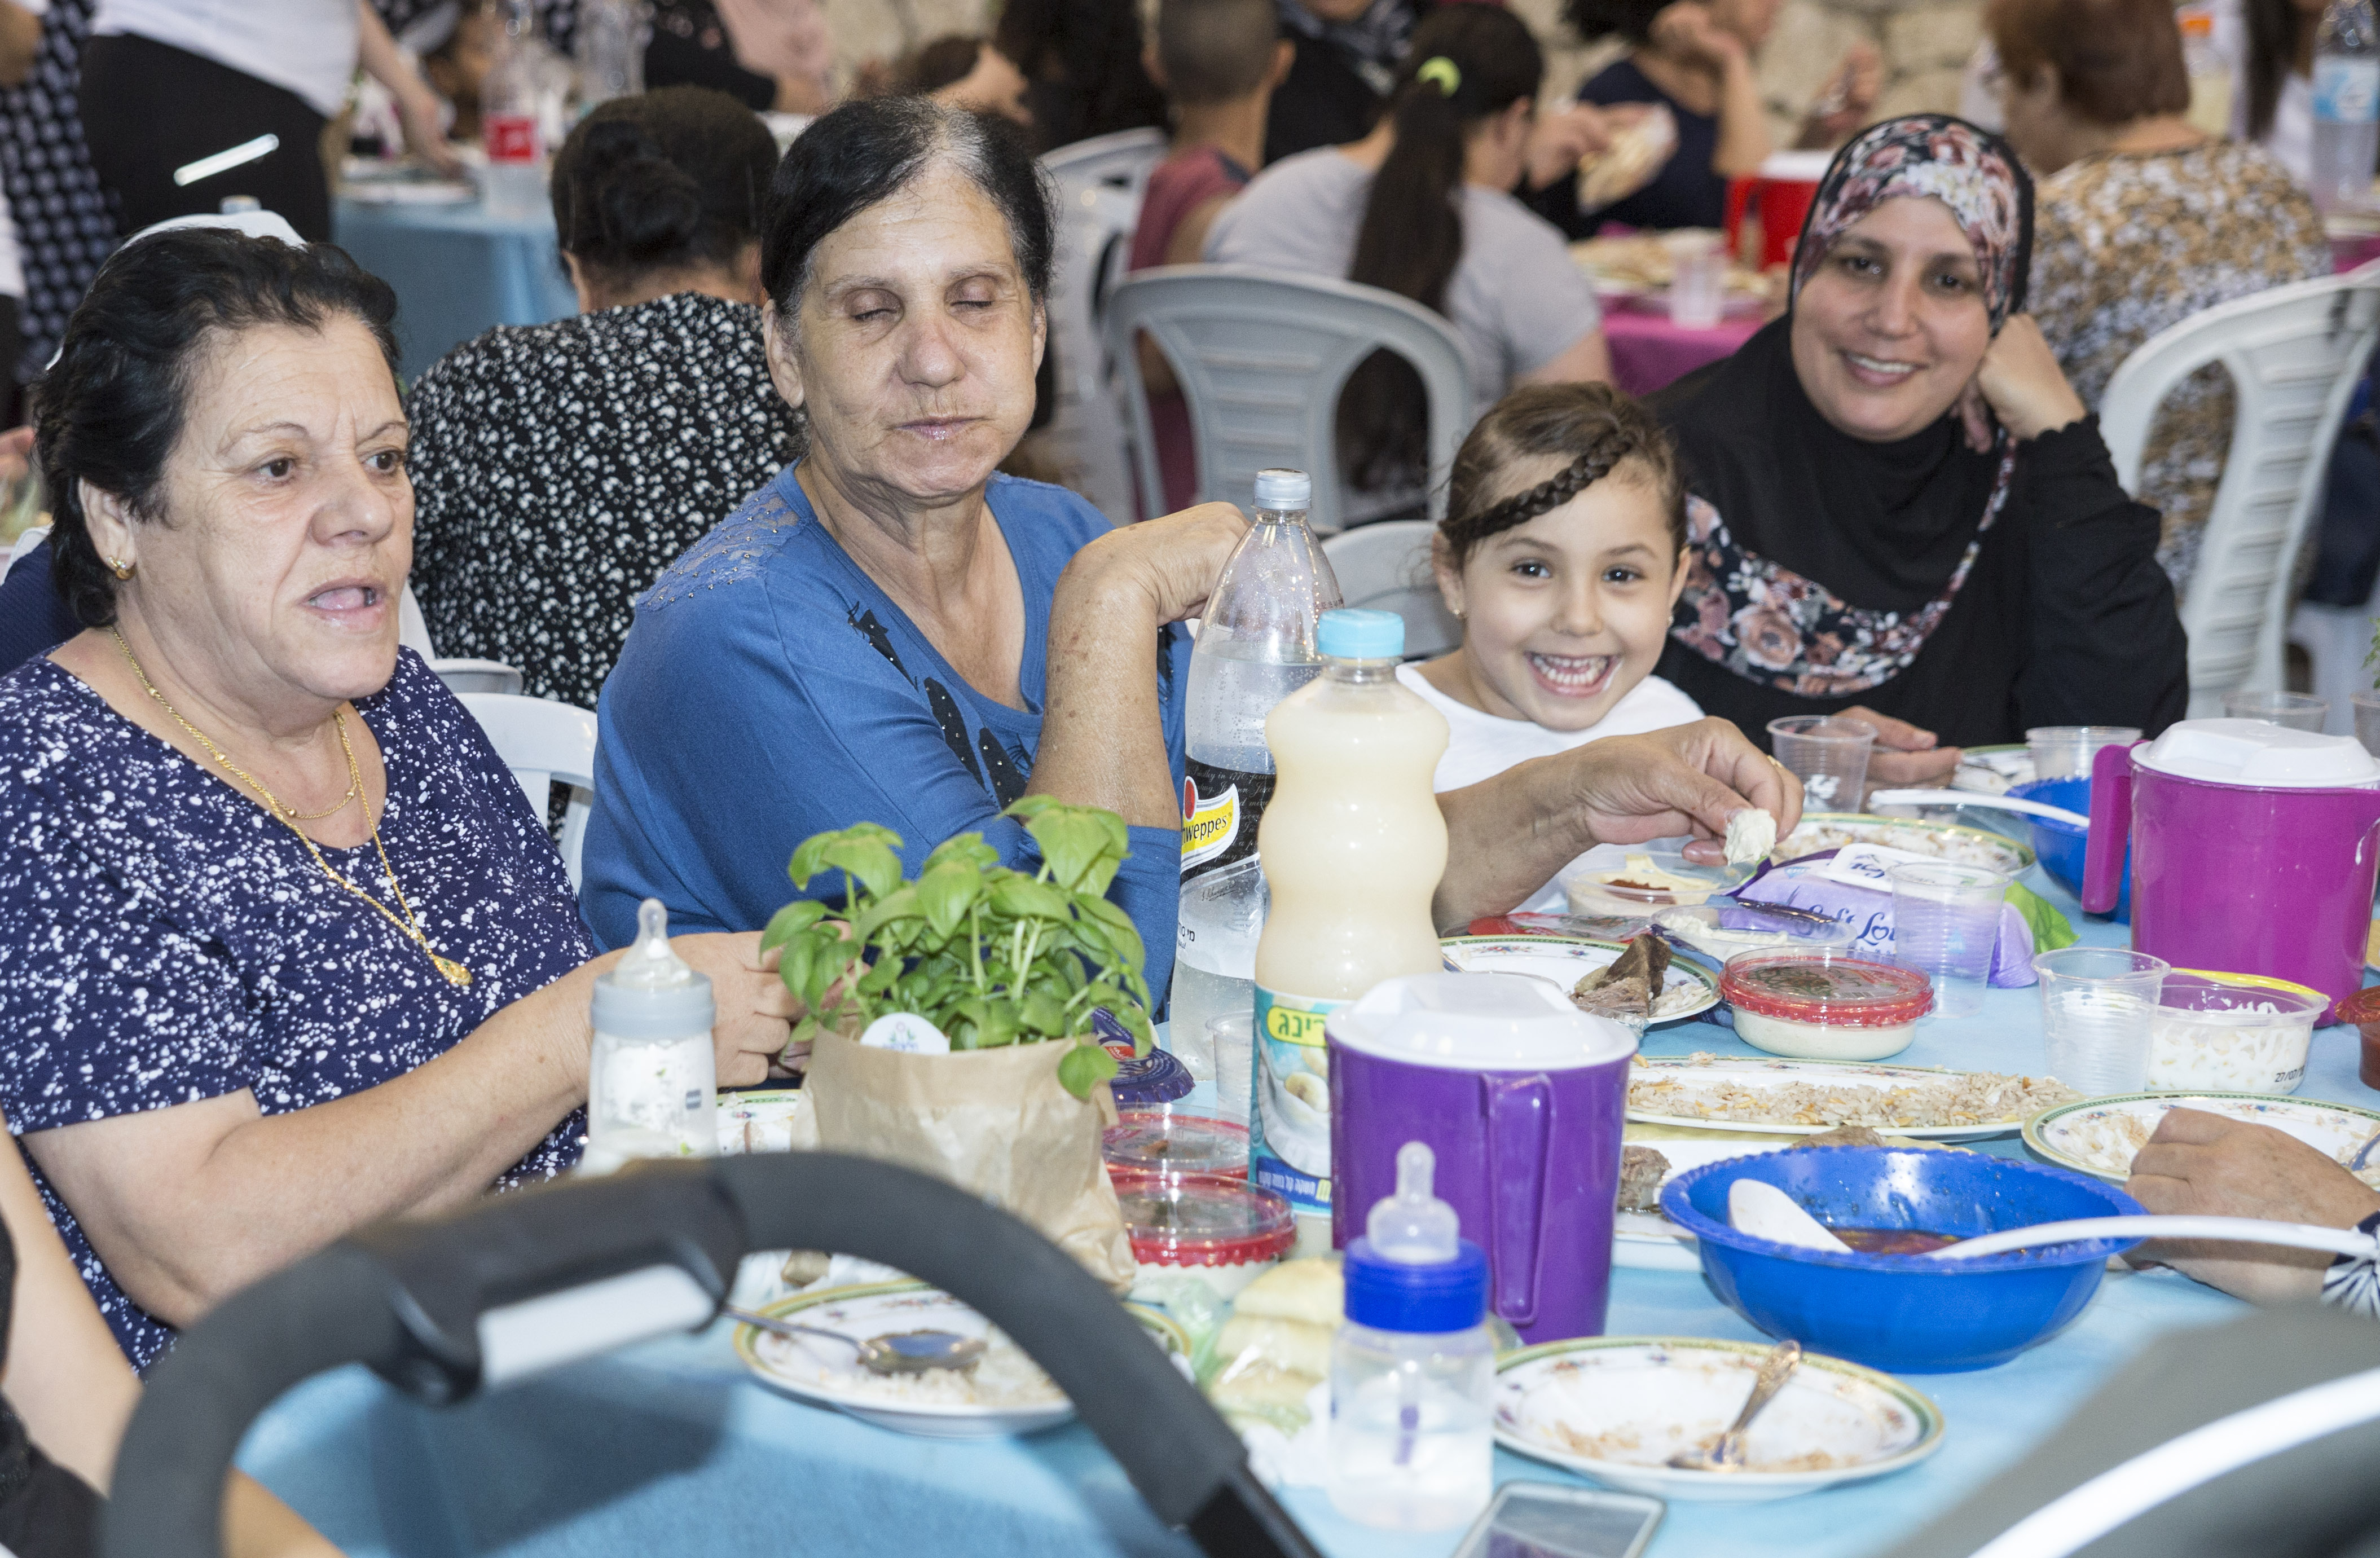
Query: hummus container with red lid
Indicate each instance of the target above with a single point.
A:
(1171, 1139)
(1222, 1233)
(1822, 1005)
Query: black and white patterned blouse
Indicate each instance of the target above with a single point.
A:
(164, 940)
(2352, 1283)
(557, 469)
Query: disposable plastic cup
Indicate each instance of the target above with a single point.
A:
(1697, 278)
(2097, 1004)
(2296, 710)
(1945, 919)
(2367, 720)
(1828, 754)
(1232, 1040)
(2064, 751)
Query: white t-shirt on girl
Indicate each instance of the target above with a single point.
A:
(1483, 745)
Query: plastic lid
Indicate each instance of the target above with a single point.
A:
(1280, 488)
(1476, 1022)
(1174, 1143)
(1156, 1078)
(1825, 987)
(1397, 1296)
(1202, 1220)
(2253, 753)
(650, 992)
(2205, 992)
(1351, 633)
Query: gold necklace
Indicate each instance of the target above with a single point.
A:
(408, 926)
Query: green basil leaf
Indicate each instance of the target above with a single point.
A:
(1043, 1014)
(870, 859)
(967, 849)
(947, 891)
(886, 910)
(1025, 898)
(1083, 1067)
(789, 921)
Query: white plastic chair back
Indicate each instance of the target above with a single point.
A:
(1100, 184)
(1261, 356)
(35, 535)
(2294, 354)
(544, 743)
(412, 627)
(1386, 568)
(460, 674)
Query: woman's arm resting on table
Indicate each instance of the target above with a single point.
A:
(1507, 835)
(186, 1204)
(417, 102)
(2202, 1164)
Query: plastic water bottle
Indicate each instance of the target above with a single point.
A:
(509, 120)
(652, 1079)
(1353, 845)
(1255, 646)
(2346, 106)
(611, 49)
(2210, 72)
(1413, 1371)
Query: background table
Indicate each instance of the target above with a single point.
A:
(457, 270)
(671, 1448)
(1648, 352)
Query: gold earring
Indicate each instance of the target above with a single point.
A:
(119, 568)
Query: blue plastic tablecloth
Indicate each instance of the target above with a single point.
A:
(671, 1448)
(456, 270)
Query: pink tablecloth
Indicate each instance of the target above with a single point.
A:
(1648, 351)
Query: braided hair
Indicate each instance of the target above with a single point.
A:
(1596, 426)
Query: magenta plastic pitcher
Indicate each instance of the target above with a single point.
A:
(2253, 849)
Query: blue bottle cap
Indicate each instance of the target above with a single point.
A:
(1352, 633)
(1400, 1296)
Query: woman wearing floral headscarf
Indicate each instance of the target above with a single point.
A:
(1899, 509)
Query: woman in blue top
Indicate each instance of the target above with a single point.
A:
(891, 632)
(283, 950)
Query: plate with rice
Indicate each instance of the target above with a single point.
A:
(2099, 1136)
(1805, 1097)
(1004, 1392)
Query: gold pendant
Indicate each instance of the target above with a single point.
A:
(455, 973)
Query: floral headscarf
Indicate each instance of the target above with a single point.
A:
(1968, 169)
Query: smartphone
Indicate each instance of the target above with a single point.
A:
(1557, 1520)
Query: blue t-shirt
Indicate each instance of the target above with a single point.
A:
(1687, 192)
(164, 940)
(770, 691)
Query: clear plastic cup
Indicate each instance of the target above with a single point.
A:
(1828, 754)
(2367, 720)
(1945, 919)
(2098, 1007)
(1231, 1039)
(2064, 751)
(1697, 278)
(2295, 710)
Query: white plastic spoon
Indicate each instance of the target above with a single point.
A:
(2234, 1230)
(1976, 798)
(1763, 1211)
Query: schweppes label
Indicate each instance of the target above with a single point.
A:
(1220, 810)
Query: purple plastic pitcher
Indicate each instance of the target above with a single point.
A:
(1521, 1095)
(2253, 849)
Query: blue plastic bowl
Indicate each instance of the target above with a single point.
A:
(2060, 844)
(1903, 1313)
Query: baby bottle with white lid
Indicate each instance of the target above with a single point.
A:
(652, 1076)
(1413, 1371)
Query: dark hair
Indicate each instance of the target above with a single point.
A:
(662, 181)
(1215, 51)
(1467, 63)
(1594, 427)
(1083, 59)
(110, 409)
(865, 153)
(2117, 60)
(943, 62)
(2272, 53)
(1628, 19)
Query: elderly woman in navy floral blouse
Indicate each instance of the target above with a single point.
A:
(283, 948)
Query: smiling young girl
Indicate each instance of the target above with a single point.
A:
(1562, 552)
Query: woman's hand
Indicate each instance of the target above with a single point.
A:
(1686, 27)
(755, 1010)
(1169, 562)
(1903, 755)
(422, 115)
(2020, 383)
(2202, 1164)
(1851, 92)
(1560, 140)
(1687, 779)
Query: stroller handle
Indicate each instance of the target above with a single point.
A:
(448, 1308)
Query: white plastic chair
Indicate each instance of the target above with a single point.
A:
(1386, 568)
(2294, 354)
(1261, 356)
(460, 674)
(1100, 185)
(544, 743)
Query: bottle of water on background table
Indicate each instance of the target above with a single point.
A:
(1255, 646)
(2346, 106)
(509, 120)
(610, 44)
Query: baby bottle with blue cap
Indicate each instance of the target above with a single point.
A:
(651, 1078)
(1413, 1369)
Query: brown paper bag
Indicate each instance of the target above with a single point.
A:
(994, 1122)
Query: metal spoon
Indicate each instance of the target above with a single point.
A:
(1973, 797)
(1728, 1453)
(895, 1352)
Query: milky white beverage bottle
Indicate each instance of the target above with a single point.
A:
(1353, 847)
(1255, 646)
(651, 1076)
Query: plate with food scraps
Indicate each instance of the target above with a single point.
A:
(1616, 1408)
(2098, 1135)
(1004, 1392)
(1643, 1238)
(1686, 989)
(1805, 1097)
(1941, 841)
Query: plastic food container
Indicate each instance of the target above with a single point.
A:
(2239, 1034)
(1176, 1142)
(1222, 1232)
(1820, 1004)
(1601, 886)
(1723, 929)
